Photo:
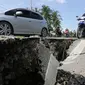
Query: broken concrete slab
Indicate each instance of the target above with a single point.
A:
(25, 61)
(76, 52)
(49, 65)
(72, 46)
(51, 72)
(26, 54)
(44, 55)
(72, 72)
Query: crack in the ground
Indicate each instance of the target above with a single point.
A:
(66, 78)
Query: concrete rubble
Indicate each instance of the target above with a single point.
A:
(58, 48)
(25, 61)
(30, 61)
(72, 70)
(66, 78)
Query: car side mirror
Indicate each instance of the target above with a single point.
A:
(18, 13)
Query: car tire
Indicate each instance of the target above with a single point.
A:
(6, 28)
(44, 32)
(80, 33)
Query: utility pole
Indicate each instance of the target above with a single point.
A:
(31, 4)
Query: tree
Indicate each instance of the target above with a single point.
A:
(53, 18)
(56, 19)
(46, 12)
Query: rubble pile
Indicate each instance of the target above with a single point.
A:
(19, 62)
(66, 78)
(24, 61)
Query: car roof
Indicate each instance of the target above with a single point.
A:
(24, 9)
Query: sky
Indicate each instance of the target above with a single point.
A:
(68, 9)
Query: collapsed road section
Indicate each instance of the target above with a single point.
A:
(29, 61)
(25, 61)
(58, 48)
(72, 71)
(19, 61)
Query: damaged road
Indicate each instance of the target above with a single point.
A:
(72, 71)
(58, 49)
(30, 61)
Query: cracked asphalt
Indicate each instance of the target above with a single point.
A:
(75, 62)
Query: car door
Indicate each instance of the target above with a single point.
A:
(24, 21)
(20, 23)
(36, 21)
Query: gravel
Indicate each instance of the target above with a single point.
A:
(66, 78)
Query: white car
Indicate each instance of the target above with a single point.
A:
(22, 21)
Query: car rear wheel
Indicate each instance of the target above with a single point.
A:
(5, 28)
(44, 32)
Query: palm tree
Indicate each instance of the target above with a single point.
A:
(46, 12)
(53, 18)
(56, 19)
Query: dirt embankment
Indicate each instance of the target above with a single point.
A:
(21, 59)
(19, 62)
(59, 48)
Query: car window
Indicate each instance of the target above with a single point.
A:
(25, 14)
(36, 16)
(10, 12)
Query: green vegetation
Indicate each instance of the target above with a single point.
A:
(52, 17)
